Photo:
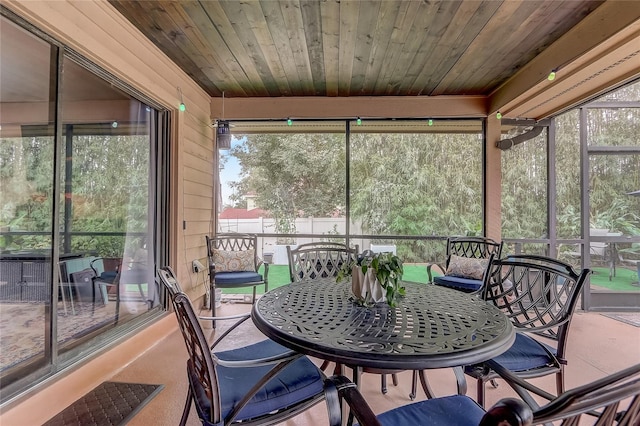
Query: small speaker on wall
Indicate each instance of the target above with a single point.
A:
(223, 135)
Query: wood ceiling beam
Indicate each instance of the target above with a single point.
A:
(612, 26)
(264, 108)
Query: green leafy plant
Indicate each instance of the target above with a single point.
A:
(387, 267)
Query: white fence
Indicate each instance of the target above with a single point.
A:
(325, 228)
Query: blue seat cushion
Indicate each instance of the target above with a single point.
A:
(526, 353)
(456, 410)
(234, 279)
(297, 382)
(459, 283)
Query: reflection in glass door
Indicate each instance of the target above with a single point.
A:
(78, 208)
(26, 201)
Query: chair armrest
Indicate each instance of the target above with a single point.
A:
(212, 269)
(430, 267)
(242, 318)
(337, 388)
(508, 411)
(228, 317)
(519, 385)
(260, 362)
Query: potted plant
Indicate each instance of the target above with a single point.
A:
(375, 277)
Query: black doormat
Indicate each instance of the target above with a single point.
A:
(110, 403)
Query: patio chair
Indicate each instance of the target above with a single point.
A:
(113, 285)
(312, 261)
(611, 400)
(539, 295)
(318, 260)
(466, 262)
(234, 263)
(234, 386)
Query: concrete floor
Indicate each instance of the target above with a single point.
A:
(598, 345)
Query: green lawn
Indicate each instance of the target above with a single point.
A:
(621, 282)
(279, 276)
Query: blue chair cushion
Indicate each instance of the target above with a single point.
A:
(297, 382)
(456, 410)
(234, 279)
(525, 354)
(459, 283)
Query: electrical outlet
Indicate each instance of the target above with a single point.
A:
(197, 266)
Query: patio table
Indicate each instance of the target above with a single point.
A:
(431, 327)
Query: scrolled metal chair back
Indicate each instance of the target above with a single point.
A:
(233, 241)
(473, 247)
(200, 365)
(537, 293)
(318, 260)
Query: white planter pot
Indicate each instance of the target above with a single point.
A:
(366, 287)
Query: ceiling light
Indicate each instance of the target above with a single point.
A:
(359, 121)
(552, 75)
(430, 122)
(498, 115)
(289, 122)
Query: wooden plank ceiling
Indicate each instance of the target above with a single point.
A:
(269, 48)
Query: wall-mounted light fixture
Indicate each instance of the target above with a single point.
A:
(430, 122)
(289, 122)
(552, 75)
(358, 121)
(114, 124)
(182, 107)
(498, 115)
(223, 135)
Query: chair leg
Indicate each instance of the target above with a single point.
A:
(414, 385)
(560, 382)
(253, 299)
(394, 379)
(383, 384)
(357, 373)
(324, 365)
(212, 301)
(480, 392)
(187, 408)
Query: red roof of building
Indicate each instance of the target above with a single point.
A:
(231, 213)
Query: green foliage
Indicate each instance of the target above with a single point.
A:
(284, 171)
(387, 267)
(108, 192)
